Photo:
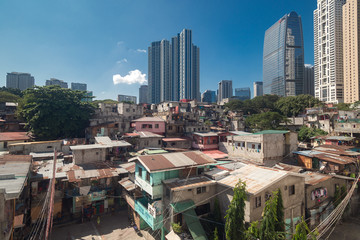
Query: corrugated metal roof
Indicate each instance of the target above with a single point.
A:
(106, 141)
(168, 161)
(175, 139)
(182, 184)
(256, 178)
(145, 134)
(127, 184)
(13, 136)
(216, 154)
(340, 138)
(312, 178)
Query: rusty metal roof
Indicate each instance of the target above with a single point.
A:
(312, 178)
(13, 136)
(287, 167)
(127, 184)
(256, 178)
(178, 160)
(215, 154)
(183, 184)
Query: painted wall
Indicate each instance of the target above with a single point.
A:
(153, 129)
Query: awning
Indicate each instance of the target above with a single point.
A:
(127, 184)
(194, 225)
(192, 220)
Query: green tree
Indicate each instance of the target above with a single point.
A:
(294, 105)
(280, 223)
(235, 225)
(270, 221)
(14, 91)
(217, 211)
(265, 121)
(8, 97)
(216, 234)
(302, 231)
(343, 106)
(253, 231)
(52, 112)
(305, 133)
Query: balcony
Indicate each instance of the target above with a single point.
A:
(154, 223)
(155, 191)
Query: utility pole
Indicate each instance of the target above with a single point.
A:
(51, 203)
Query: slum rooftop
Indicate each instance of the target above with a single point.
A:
(173, 161)
(14, 171)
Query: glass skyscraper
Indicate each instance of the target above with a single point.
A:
(283, 57)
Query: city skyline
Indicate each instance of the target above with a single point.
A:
(91, 53)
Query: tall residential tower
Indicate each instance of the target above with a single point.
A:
(283, 59)
(351, 41)
(225, 90)
(328, 51)
(174, 72)
(258, 89)
(20, 81)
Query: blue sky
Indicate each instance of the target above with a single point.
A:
(89, 41)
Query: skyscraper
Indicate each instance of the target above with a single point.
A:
(79, 86)
(20, 81)
(154, 72)
(174, 69)
(208, 96)
(283, 57)
(126, 98)
(309, 79)
(351, 41)
(143, 94)
(54, 81)
(328, 51)
(258, 89)
(225, 90)
(242, 93)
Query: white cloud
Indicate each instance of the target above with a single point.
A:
(141, 50)
(133, 77)
(124, 60)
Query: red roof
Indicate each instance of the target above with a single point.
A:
(175, 139)
(13, 136)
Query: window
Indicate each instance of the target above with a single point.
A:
(140, 172)
(291, 190)
(150, 126)
(143, 126)
(148, 176)
(170, 127)
(127, 110)
(257, 202)
(200, 190)
(156, 125)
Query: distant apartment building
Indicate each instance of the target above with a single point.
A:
(19, 80)
(54, 81)
(309, 79)
(79, 86)
(143, 94)
(351, 49)
(242, 93)
(174, 69)
(208, 96)
(258, 89)
(328, 51)
(126, 98)
(225, 90)
(283, 60)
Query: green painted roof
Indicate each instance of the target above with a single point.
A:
(194, 225)
(272, 132)
(183, 206)
(157, 151)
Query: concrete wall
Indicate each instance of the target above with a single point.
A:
(153, 129)
(2, 144)
(6, 216)
(37, 147)
(89, 155)
(153, 142)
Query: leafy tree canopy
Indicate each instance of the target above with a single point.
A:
(14, 91)
(265, 121)
(258, 104)
(302, 230)
(8, 97)
(305, 133)
(52, 112)
(294, 105)
(344, 106)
